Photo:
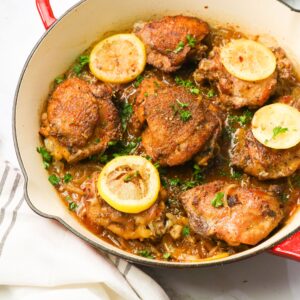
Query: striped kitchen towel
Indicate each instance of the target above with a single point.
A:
(43, 260)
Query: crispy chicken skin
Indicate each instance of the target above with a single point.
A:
(144, 225)
(234, 92)
(163, 36)
(250, 216)
(77, 124)
(260, 161)
(168, 138)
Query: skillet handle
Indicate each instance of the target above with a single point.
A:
(46, 13)
(292, 4)
(289, 248)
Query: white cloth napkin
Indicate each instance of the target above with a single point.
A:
(38, 252)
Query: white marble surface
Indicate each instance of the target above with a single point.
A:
(261, 278)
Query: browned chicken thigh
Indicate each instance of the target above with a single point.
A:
(77, 124)
(178, 125)
(95, 211)
(260, 161)
(170, 40)
(234, 92)
(246, 216)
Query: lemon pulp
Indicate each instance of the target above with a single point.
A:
(129, 183)
(118, 59)
(277, 126)
(248, 60)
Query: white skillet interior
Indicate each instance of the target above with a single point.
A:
(87, 23)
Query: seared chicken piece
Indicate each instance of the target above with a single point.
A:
(170, 40)
(77, 124)
(247, 216)
(144, 225)
(178, 124)
(234, 92)
(260, 161)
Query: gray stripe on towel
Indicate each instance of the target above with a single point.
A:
(11, 196)
(11, 225)
(3, 178)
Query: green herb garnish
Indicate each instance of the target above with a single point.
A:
(197, 173)
(156, 165)
(129, 177)
(138, 81)
(218, 200)
(96, 141)
(189, 184)
(278, 130)
(72, 206)
(174, 181)
(210, 93)
(235, 174)
(126, 113)
(59, 79)
(82, 61)
(47, 157)
(186, 231)
(179, 47)
(185, 115)
(68, 177)
(181, 104)
(191, 41)
(146, 253)
(187, 84)
(112, 143)
(166, 255)
(242, 119)
(54, 180)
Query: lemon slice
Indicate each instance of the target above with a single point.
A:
(129, 183)
(277, 126)
(118, 59)
(248, 60)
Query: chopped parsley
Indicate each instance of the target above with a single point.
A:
(279, 130)
(54, 180)
(218, 200)
(235, 174)
(138, 81)
(96, 141)
(81, 62)
(59, 79)
(179, 47)
(174, 181)
(210, 93)
(185, 115)
(166, 255)
(112, 143)
(103, 159)
(68, 177)
(47, 158)
(156, 165)
(187, 84)
(242, 119)
(181, 104)
(145, 253)
(131, 176)
(186, 231)
(126, 112)
(194, 90)
(191, 41)
(72, 206)
(197, 173)
(189, 184)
